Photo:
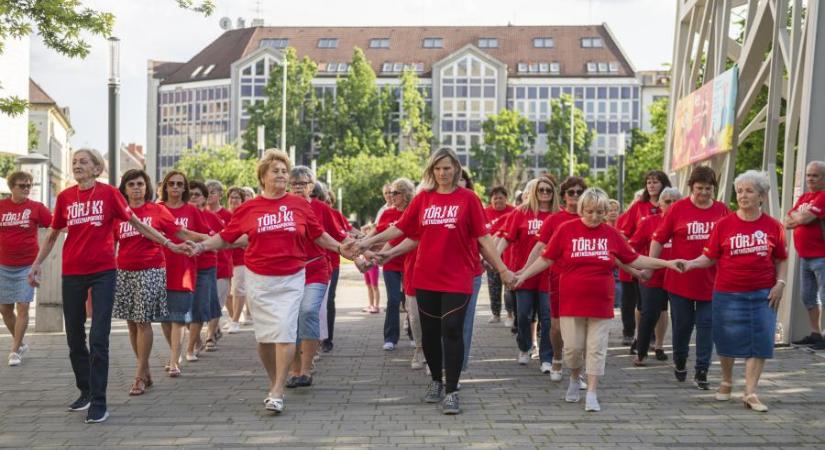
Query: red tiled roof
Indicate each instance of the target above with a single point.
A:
(38, 96)
(515, 46)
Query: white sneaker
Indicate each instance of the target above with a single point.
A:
(15, 359)
(572, 395)
(233, 328)
(546, 367)
(591, 403)
(274, 404)
(582, 383)
(555, 375)
(534, 353)
(494, 319)
(23, 349)
(508, 322)
(523, 358)
(389, 346)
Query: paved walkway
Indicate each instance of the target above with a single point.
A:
(367, 398)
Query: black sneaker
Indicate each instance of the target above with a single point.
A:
(435, 392)
(326, 346)
(292, 382)
(97, 414)
(701, 379)
(81, 404)
(679, 371)
(450, 405)
(811, 339)
(660, 354)
(304, 381)
(818, 346)
(633, 347)
(627, 340)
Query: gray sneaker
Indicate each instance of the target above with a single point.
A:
(450, 404)
(435, 392)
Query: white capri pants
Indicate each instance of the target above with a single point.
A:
(223, 291)
(585, 337)
(239, 281)
(274, 302)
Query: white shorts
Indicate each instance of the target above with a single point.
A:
(274, 302)
(238, 281)
(223, 291)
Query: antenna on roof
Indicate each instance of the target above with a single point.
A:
(225, 23)
(258, 21)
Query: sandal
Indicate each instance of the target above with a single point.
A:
(724, 391)
(138, 387)
(210, 345)
(174, 372)
(752, 402)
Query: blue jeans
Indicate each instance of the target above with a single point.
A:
(395, 293)
(813, 282)
(469, 318)
(309, 316)
(685, 314)
(526, 301)
(90, 365)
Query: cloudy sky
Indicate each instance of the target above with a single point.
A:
(159, 30)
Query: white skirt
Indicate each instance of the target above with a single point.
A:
(239, 281)
(274, 302)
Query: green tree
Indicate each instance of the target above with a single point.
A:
(225, 164)
(34, 139)
(300, 107)
(8, 164)
(353, 122)
(61, 24)
(362, 176)
(507, 136)
(416, 118)
(558, 139)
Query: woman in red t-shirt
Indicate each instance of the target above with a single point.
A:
(224, 272)
(88, 212)
(140, 293)
(19, 220)
(749, 250)
(521, 231)
(648, 204)
(585, 252)
(494, 212)
(279, 227)
(452, 227)
(688, 224)
(235, 303)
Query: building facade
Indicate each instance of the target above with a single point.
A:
(54, 131)
(14, 82)
(466, 75)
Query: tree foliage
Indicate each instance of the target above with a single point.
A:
(362, 176)
(300, 107)
(225, 164)
(416, 118)
(507, 136)
(558, 139)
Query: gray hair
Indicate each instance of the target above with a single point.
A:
(593, 195)
(820, 165)
(757, 178)
(302, 171)
(214, 184)
(670, 192)
(319, 191)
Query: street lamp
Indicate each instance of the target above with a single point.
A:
(621, 152)
(114, 94)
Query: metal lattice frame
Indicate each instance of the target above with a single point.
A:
(781, 42)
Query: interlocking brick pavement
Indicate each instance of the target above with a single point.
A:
(364, 397)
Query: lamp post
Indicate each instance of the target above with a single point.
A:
(572, 138)
(114, 94)
(621, 152)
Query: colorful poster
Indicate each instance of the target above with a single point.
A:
(703, 123)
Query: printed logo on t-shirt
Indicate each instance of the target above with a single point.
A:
(441, 215)
(669, 244)
(20, 219)
(182, 222)
(590, 247)
(80, 213)
(127, 230)
(533, 226)
(699, 231)
(282, 220)
(744, 244)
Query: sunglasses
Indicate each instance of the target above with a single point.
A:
(24, 186)
(574, 192)
(175, 183)
(195, 194)
(545, 190)
(394, 193)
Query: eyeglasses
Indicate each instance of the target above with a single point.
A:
(574, 192)
(394, 193)
(545, 190)
(175, 183)
(299, 184)
(195, 194)
(24, 186)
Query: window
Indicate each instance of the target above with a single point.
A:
(488, 43)
(592, 42)
(332, 67)
(274, 43)
(433, 43)
(328, 43)
(343, 67)
(613, 67)
(380, 43)
(543, 42)
(602, 67)
(592, 67)
(398, 67)
(386, 67)
(208, 69)
(555, 67)
(522, 67)
(196, 72)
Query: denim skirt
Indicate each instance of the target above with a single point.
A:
(14, 285)
(179, 307)
(744, 324)
(206, 287)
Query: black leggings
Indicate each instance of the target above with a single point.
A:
(630, 300)
(442, 319)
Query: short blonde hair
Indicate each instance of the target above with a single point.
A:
(405, 186)
(95, 156)
(592, 196)
(270, 157)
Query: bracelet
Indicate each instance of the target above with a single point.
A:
(779, 280)
(339, 250)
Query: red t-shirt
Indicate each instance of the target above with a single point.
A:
(585, 259)
(320, 270)
(627, 223)
(208, 260)
(343, 226)
(224, 256)
(521, 231)
(135, 252)
(449, 226)
(745, 253)
(548, 228)
(640, 241)
(89, 216)
(808, 239)
(495, 217)
(279, 232)
(181, 270)
(388, 219)
(507, 256)
(18, 231)
(689, 228)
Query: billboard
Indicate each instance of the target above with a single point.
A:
(704, 121)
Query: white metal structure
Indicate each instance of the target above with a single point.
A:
(783, 50)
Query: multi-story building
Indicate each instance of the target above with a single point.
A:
(467, 73)
(54, 129)
(655, 86)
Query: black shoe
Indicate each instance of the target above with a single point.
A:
(627, 340)
(701, 379)
(818, 346)
(679, 371)
(292, 382)
(326, 346)
(304, 381)
(81, 404)
(633, 347)
(811, 339)
(97, 414)
(660, 354)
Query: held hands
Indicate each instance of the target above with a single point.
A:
(644, 275)
(508, 278)
(34, 275)
(181, 248)
(679, 265)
